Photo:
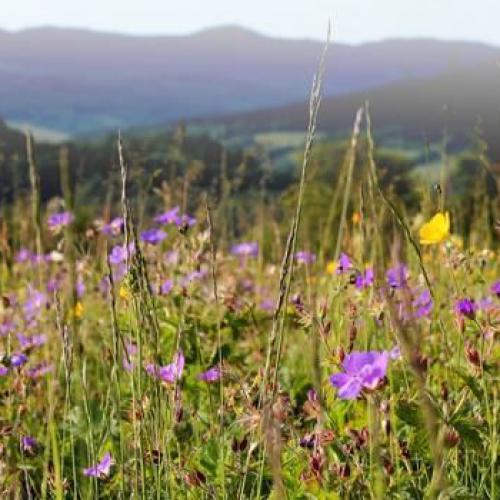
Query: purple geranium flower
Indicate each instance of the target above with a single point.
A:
(495, 288)
(185, 220)
(423, 304)
(18, 359)
(24, 255)
(29, 445)
(267, 305)
(53, 285)
(344, 264)
(364, 280)
(169, 217)
(128, 363)
(211, 375)
(114, 227)
(466, 307)
(486, 304)
(100, 470)
(118, 253)
(395, 352)
(305, 257)
(153, 236)
(397, 276)
(39, 370)
(362, 370)
(246, 249)
(166, 287)
(31, 342)
(80, 288)
(34, 304)
(3, 371)
(169, 373)
(59, 220)
(8, 326)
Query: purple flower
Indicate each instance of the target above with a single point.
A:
(246, 249)
(39, 370)
(362, 370)
(397, 276)
(100, 470)
(114, 227)
(267, 305)
(486, 304)
(18, 359)
(53, 285)
(186, 221)
(364, 280)
(172, 257)
(80, 288)
(59, 220)
(395, 353)
(24, 255)
(153, 236)
(166, 287)
(466, 307)
(169, 217)
(495, 288)
(312, 395)
(3, 371)
(29, 445)
(118, 253)
(344, 264)
(34, 304)
(128, 364)
(104, 286)
(8, 326)
(423, 304)
(305, 257)
(192, 276)
(211, 375)
(31, 342)
(169, 373)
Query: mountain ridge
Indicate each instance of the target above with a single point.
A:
(81, 81)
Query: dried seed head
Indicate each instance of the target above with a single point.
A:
(472, 355)
(444, 391)
(451, 438)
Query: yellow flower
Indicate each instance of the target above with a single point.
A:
(124, 293)
(331, 267)
(78, 311)
(356, 218)
(436, 230)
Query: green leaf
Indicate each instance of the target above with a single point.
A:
(409, 413)
(469, 433)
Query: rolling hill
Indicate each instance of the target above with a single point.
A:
(414, 110)
(77, 81)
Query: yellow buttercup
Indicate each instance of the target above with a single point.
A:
(78, 310)
(436, 230)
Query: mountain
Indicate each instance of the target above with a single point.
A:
(416, 110)
(77, 81)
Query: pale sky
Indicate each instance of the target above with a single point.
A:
(354, 20)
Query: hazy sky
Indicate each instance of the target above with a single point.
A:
(354, 20)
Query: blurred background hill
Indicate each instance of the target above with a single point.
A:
(73, 81)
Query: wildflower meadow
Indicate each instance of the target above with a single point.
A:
(152, 347)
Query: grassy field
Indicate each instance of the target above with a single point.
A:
(184, 355)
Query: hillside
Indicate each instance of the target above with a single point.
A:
(80, 81)
(412, 110)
